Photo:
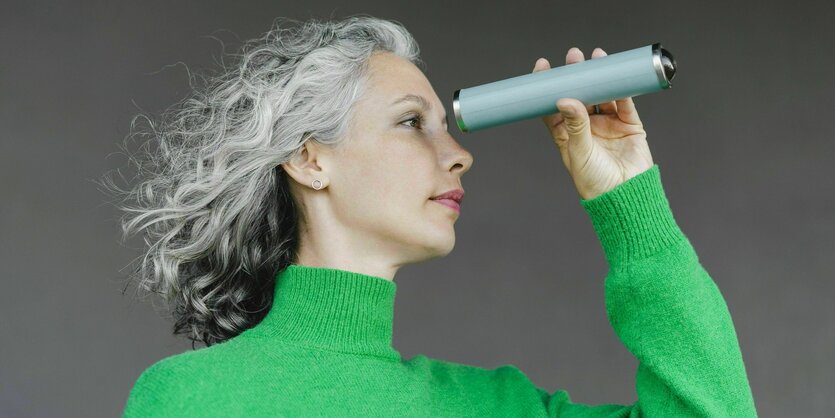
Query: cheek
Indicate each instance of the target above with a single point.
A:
(412, 176)
(393, 181)
(402, 190)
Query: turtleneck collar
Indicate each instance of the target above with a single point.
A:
(332, 309)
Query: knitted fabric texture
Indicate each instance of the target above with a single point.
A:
(325, 347)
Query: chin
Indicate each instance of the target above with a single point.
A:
(431, 247)
(445, 246)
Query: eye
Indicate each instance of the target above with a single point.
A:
(416, 118)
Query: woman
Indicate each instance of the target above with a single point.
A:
(287, 193)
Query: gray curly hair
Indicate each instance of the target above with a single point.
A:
(214, 202)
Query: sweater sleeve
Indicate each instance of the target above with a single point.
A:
(666, 310)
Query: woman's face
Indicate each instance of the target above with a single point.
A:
(376, 204)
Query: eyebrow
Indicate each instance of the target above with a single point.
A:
(420, 100)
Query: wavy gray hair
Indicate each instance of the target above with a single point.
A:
(215, 205)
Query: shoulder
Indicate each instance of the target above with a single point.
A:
(174, 384)
(504, 389)
(169, 370)
(158, 385)
(452, 372)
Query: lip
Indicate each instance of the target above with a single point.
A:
(456, 194)
(450, 204)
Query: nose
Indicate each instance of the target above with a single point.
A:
(459, 159)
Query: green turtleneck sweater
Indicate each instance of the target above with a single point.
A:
(325, 347)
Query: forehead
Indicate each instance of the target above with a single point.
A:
(391, 74)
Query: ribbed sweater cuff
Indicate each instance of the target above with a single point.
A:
(633, 220)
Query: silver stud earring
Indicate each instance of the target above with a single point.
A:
(314, 184)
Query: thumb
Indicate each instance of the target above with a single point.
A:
(578, 126)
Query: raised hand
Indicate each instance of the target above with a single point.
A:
(603, 150)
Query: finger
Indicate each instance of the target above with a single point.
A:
(555, 118)
(606, 107)
(578, 125)
(541, 64)
(597, 53)
(574, 56)
(627, 112)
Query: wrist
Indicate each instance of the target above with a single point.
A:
(634, 219)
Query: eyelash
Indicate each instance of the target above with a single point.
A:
(418, 118)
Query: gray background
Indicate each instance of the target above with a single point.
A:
(744, 141)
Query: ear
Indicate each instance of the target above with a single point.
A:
(306, 166)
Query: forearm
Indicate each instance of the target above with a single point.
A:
(665, 307)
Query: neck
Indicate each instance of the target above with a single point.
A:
(332, 309)
(328, 244)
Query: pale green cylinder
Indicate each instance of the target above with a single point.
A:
(625, 74)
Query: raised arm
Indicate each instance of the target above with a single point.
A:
(662, 303)
(666, 310)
